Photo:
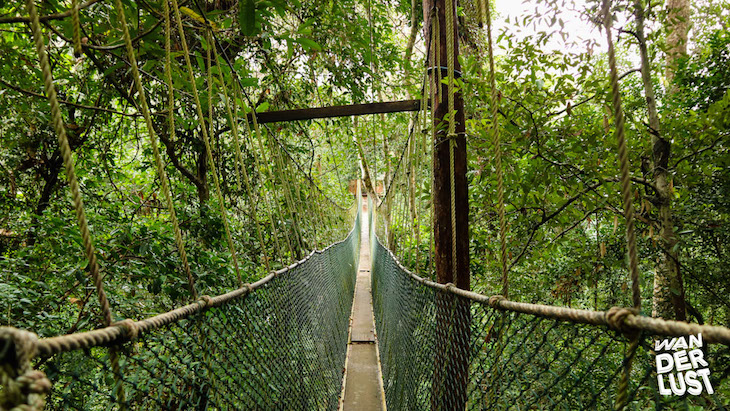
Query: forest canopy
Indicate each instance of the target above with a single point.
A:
(285, 190)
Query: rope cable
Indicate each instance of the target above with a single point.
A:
(241, 91)
(623, 162)
(143, 106)
(240, 167)
(206, 140)
(68, 162)
(451, 135)
(249, 140)
(76, 26)
(270, 175)
(622, 396)
(288, 194)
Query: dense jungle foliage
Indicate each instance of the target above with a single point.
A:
(565, 237)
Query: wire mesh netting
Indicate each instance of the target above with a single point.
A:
(440, 350)
(279, 346)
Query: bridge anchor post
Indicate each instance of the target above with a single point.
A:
(451, 208)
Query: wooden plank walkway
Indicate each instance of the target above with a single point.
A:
(363, 387)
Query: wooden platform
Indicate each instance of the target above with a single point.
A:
(363, 388)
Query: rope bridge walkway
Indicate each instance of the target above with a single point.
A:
(362, 388)
(281, 342)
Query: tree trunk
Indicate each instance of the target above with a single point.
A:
(411, 39)
(668, 301)
(453, 318)
(202, 184)
(668, 293)
(677, 31)
(50, 177)
(367, 181)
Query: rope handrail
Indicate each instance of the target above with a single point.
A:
(232, 351)
(628, 319)
(523, 355)
(120, 332)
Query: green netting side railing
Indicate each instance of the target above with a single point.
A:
(279, 343)
(444, 348)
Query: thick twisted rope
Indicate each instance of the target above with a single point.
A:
(622, 396)
(68, 163)
(76, 24)
(240, 167)
(451, 134)
(206, 139)
(159, 165)
(623, 155)
(24, 387)
(497, 156)
(73, 183)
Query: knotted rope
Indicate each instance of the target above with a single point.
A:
(23, 387)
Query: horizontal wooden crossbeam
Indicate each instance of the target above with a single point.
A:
(337, 111)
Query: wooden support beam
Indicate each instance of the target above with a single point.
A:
(337, 111)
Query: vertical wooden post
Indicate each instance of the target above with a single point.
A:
(453, 319)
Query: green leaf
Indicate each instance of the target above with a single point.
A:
(247, 17)
(308, 44)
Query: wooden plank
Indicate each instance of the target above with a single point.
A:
(337, 111)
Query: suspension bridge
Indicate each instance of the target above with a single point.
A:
(303, 338)
(348, 326)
